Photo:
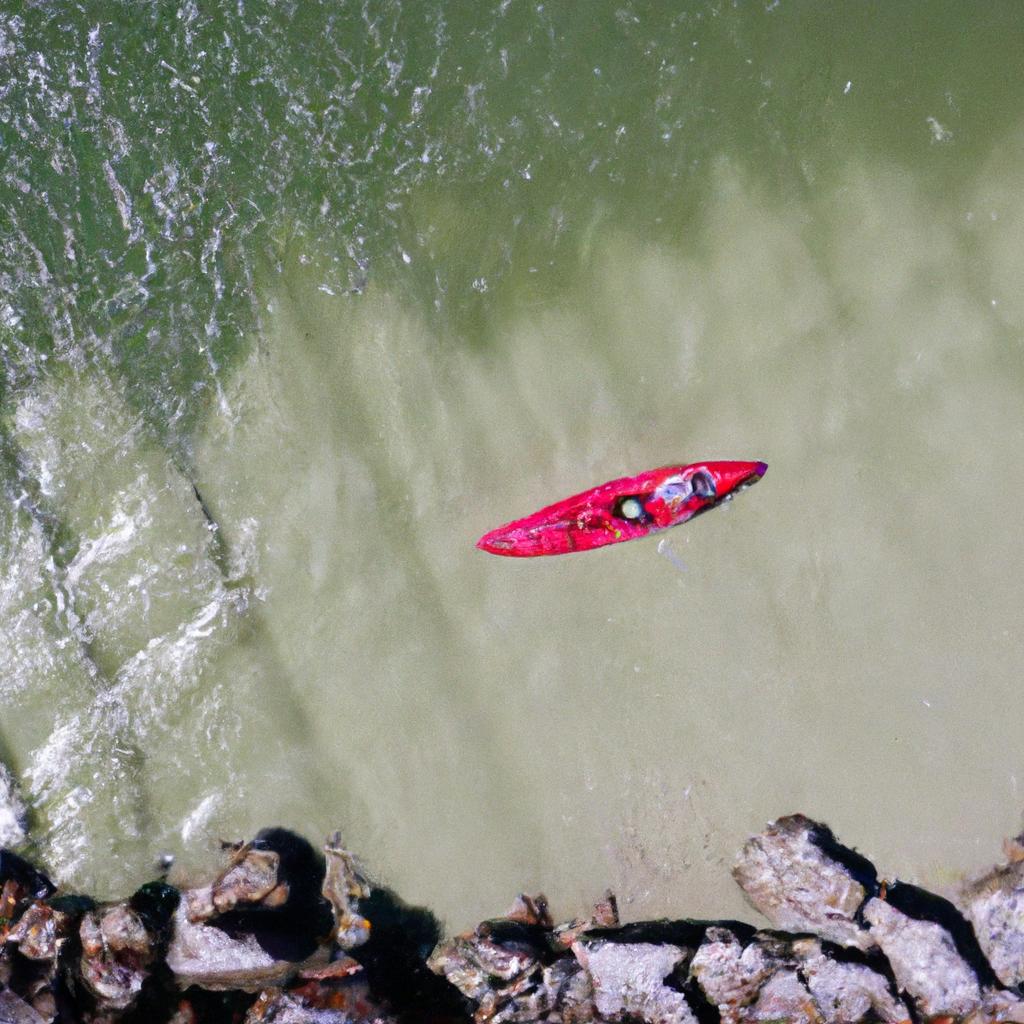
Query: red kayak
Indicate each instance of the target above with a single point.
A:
(621, 510)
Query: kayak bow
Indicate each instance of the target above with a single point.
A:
(622, 510)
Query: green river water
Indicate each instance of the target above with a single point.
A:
(366, 279)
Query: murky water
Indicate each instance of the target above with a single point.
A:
(297, 300)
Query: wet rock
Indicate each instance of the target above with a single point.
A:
(291, 919)
(994, 904)
(117, 952)
(207, 956)
(31, 882)
(803, 880)
(924, 960)
(629, 981)
(344, 886)
(155, 903)
(258, 923)
(251, 878)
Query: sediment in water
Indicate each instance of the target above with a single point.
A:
(290, 934)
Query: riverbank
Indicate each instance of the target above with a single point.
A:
(288, 933)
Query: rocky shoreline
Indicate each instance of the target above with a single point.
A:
(288, 934)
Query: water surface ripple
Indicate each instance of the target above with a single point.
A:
(297, 299)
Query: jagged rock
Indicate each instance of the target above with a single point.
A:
(14, 1010)
(204, 955)
(573, 992)
(846, 992)
(496, 971)
(11, 895)
(994, 904)
(783, 997)
(500, 958)
(466, 962)
(730, 974)
(250, 878)
(604, 915)
(261, 920)
(269, 915)
(335, 985)
(531, 910)
(284, 908)
(343, 887)
(998, 1006)
(198, 903)
(628, 981)
(924, 960)
(570, 991)
(116, 954)
(771, 974)
(803, 880)
(511, 968)
(276, 1007)
(39, 932)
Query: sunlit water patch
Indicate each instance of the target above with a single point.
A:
(832, 639)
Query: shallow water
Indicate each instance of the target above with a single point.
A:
(298, 302)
